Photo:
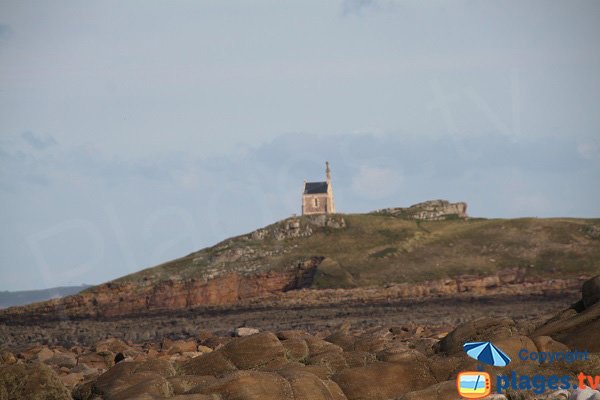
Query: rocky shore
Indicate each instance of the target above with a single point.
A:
(345, 361)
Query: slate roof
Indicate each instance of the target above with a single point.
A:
(315, 187)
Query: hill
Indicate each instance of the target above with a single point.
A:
(388, 248)
(22, 297)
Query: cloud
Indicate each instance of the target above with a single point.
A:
(375, 182)
(38, 142)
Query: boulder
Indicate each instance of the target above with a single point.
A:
(358, 358)
(95, 361)
(126, 374)
(370, 344)
(406, 356)
(43, 354)
(67, 360)
(307, 386)
(245, 331)
(181, 384)
(342, 339)
(512, 345)
(249, 385)
(479, 330)
(576, 330)
(295, 349)
(547, 344)
(31, 381)
(591, 292)
(559, 395)
(6, 357)
(204, 349)
(440, 391)
(254, 351)
(111, 345)
(70, 380)
(382, 380)
(182, 346)
(333, 360)
(148, 384)
(585, 394)
(215, 363)
(318, 346)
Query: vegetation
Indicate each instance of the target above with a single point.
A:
(375, 249)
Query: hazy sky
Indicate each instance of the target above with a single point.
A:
(133, 132)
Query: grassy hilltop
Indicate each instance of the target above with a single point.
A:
(375, 249)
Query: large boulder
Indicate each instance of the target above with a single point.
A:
(149, 384)
(254, 351)
(591, 292)
(483, 329)
(181, 384)
(307, 386)
(512, 345)
(577, 327)
(111, 345)
(382, 380)
(147, 376)
(546, 344)
(295, 349)
(32, 382)
(442, 391)
(249, 385)
(214, 363)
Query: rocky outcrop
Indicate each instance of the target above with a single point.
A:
(298, 228)
(385, 362)
(482, 329)
(591, 292)
(273, 288)
(433, 210)
(127, 298)
(579, 325)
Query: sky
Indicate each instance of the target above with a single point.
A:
(135, 132)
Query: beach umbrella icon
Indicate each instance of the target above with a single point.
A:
(486, 353)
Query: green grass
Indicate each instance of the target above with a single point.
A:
(376, 249)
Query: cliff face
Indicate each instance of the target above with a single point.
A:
(360, 256)
(272, 289)
(115, 299)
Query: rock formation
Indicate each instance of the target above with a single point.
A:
(432, 210)
(386, 362)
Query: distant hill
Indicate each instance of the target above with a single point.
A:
(432, 244)
(19, 298)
